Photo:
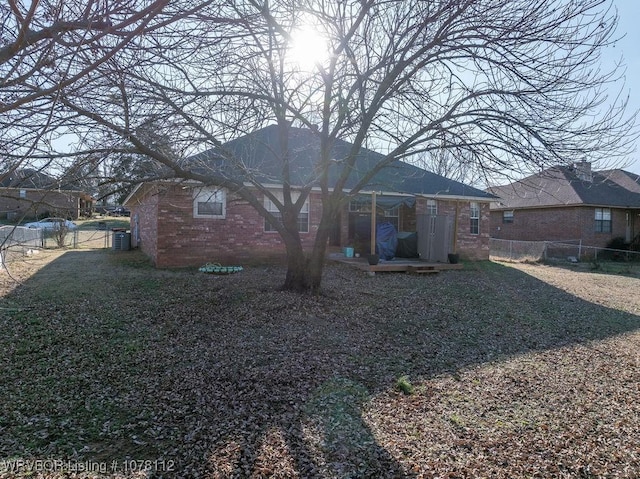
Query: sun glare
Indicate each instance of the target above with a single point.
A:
(308, 48)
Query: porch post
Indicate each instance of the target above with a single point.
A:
(373, 222)
(455, 228)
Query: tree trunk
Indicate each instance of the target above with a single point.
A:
(304, 274)
(296, 279)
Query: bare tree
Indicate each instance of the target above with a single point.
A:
(507, 85)
(46, 46)
(457, 166)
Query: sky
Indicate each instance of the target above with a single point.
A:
(629, 48)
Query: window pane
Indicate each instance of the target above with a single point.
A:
(209, 202)
(392, 213)
(268, 226)
(303, 223)
(603, 220)
(475, 210)
(209, 208)
(598, 214)
(432, 207)
(474, 217)
(361, 206)
(475, 226)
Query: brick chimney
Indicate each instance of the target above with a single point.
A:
(583, 170)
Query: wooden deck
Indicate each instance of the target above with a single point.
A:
(401, 265)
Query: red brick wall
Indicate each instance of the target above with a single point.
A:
(239, 238)
(557, 224)
(469, 246)
(144, 213)
(172, 237)
(38, 203)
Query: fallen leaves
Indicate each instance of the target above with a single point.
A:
(514, 372)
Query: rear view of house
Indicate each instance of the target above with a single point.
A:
(569, 203)
(180, 223)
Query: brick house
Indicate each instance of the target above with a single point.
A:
(179, 223)
(569, 203)
(27, 194)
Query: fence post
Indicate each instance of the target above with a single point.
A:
(580, 250)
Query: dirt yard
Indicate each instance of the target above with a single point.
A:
(111, 368)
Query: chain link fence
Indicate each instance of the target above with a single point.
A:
(568, 250)
(16, 242)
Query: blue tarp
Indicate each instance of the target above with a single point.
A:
(386, 240)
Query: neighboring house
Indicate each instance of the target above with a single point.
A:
(27, 194)
(569, 203)
(185, 224)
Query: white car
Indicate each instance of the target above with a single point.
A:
(52, 224)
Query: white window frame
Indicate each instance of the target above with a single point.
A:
(359, 206)
(23, 193)
(603, 217)
(204, 195)
(273, 209)
(474, 218)
(356, 206)
(432, 207)
(507, 216)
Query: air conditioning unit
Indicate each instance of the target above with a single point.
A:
(121, 241)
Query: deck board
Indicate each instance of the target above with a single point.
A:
(399, 265)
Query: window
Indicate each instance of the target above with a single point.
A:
(432, 207)
(391, 215)
(474, 217)
(303, 216)
(603, 220)
(360, 206)
(23, 193)
(507, 216)
(209, 203)
(364, 206)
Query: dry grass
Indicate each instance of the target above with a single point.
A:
(497, 371)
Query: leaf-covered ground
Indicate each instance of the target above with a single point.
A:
(512, 371)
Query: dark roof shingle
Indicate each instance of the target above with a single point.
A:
(261, 155)
(561, 186)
